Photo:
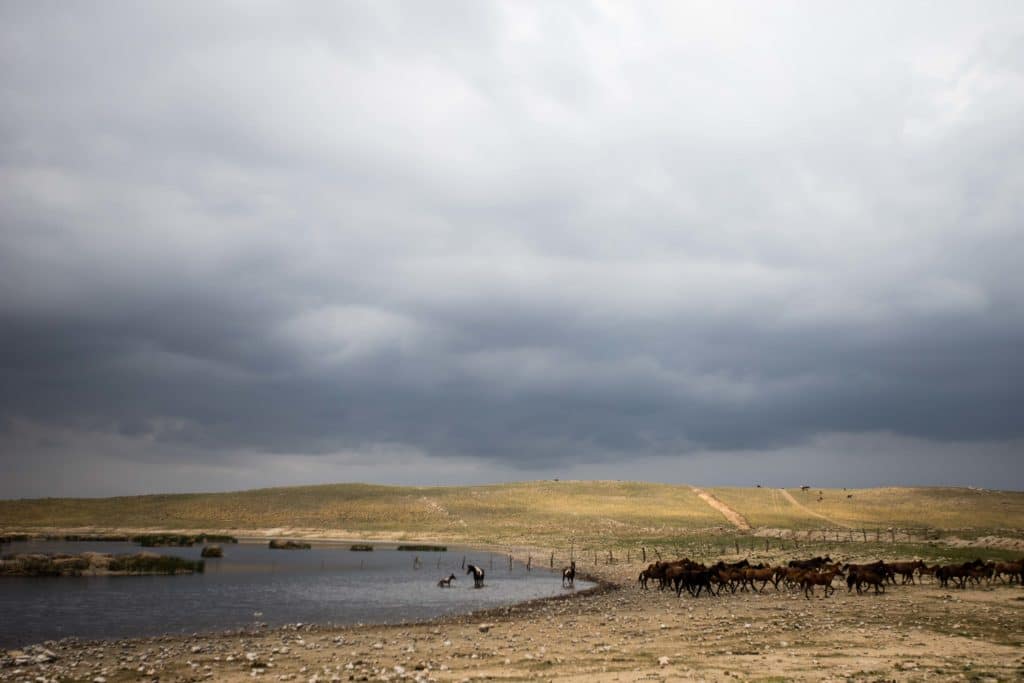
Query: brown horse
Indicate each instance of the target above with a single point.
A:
(446, 583)
(824, 578)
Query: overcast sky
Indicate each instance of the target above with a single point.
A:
(248, 244)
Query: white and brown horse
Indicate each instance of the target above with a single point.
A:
(478, 575)
(446, 583)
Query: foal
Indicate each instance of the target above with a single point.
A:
(569, 574)
(446, 583)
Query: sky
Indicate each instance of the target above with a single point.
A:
(249, 244)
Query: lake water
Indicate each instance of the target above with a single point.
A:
(253, 584)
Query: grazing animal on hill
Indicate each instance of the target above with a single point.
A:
(569, 574)
(446, 583)
(478, 575)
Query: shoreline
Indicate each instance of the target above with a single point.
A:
(612, 631)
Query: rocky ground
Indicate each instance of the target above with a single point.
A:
(616, 632)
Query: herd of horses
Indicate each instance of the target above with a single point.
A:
(808, 574)
(805, 575)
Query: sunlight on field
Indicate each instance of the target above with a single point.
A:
(766, 507)
(540, 512)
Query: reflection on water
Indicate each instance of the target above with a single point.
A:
(250, 584)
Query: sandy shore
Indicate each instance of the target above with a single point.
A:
(615, 632)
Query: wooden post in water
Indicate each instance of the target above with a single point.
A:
(643, 551)
(529, 562)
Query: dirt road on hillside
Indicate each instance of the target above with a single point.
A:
(789, 496)
(735, 518)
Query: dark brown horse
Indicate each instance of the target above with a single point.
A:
(569, 574)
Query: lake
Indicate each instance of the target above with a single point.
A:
(252, 584)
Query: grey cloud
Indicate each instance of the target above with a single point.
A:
(521, 236)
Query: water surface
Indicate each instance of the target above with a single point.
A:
(253, 584)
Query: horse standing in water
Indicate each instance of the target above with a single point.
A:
(446, 583)
(569, 574)
(478, 575)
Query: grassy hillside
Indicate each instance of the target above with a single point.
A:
(524, 512)
(938, 508)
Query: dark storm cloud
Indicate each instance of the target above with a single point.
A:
(446, 242)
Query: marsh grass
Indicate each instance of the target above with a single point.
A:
(155, 564)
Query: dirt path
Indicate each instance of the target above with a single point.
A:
(735, 518)
(800, 506)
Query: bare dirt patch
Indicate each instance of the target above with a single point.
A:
(735, 518)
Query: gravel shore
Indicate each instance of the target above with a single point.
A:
(614, 632)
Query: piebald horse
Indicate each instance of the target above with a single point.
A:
(446, 583)
(569, 574)
(478, 575)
